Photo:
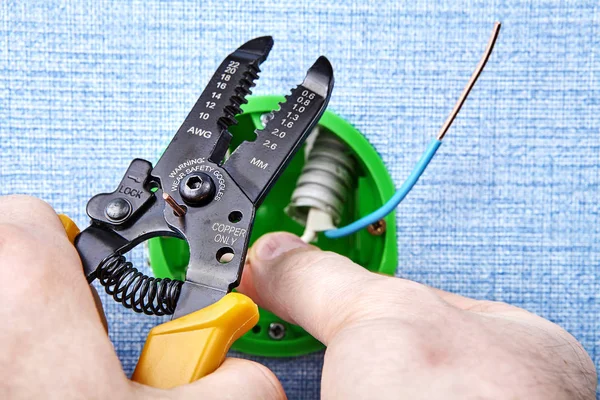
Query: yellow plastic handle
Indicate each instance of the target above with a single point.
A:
(70, 227)
(190, 347)
(187, 348)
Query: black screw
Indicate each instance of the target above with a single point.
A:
(276, 331)
(117, 209)
(197, 189)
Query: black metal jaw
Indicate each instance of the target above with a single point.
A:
(193, 194)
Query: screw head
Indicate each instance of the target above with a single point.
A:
(197, 189)
(377, 228)
(276, 331)
(118, 209)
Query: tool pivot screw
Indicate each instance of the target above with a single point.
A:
(197, 189)
(276, 331)
(117, 209)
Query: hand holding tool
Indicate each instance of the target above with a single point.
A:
(195, 192)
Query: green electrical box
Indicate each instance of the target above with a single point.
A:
(375, 251)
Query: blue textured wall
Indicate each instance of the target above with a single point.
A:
(509, 209)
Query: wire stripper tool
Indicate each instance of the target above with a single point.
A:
(200, 193)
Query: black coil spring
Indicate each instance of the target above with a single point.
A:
(143, 294)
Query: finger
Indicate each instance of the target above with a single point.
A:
(36, 224)
(454, 299)
(303, 285)
(99, 308)
(52, 316)
(32, 214)
(39, 266)
(235, 379)
(474, 305)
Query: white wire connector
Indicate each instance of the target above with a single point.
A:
(317, 221)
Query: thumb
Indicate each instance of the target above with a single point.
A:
(235, 379)
(302, 284)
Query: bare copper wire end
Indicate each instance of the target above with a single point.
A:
(471, 83)
(178, 210)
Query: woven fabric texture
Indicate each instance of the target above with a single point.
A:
(508, 210)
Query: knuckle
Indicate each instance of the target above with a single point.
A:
(23, 261)
(398, 291)
(404, 288)
(29, 211)
(303, 264)
(398, 299)
(309, 261)
(14, 240)
(28, 204)
(491, 307)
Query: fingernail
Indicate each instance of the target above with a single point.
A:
(273, 245)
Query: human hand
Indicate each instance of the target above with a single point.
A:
(389, 338)
(53, 344)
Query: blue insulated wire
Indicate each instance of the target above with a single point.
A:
(425, 158)
(392, 203)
